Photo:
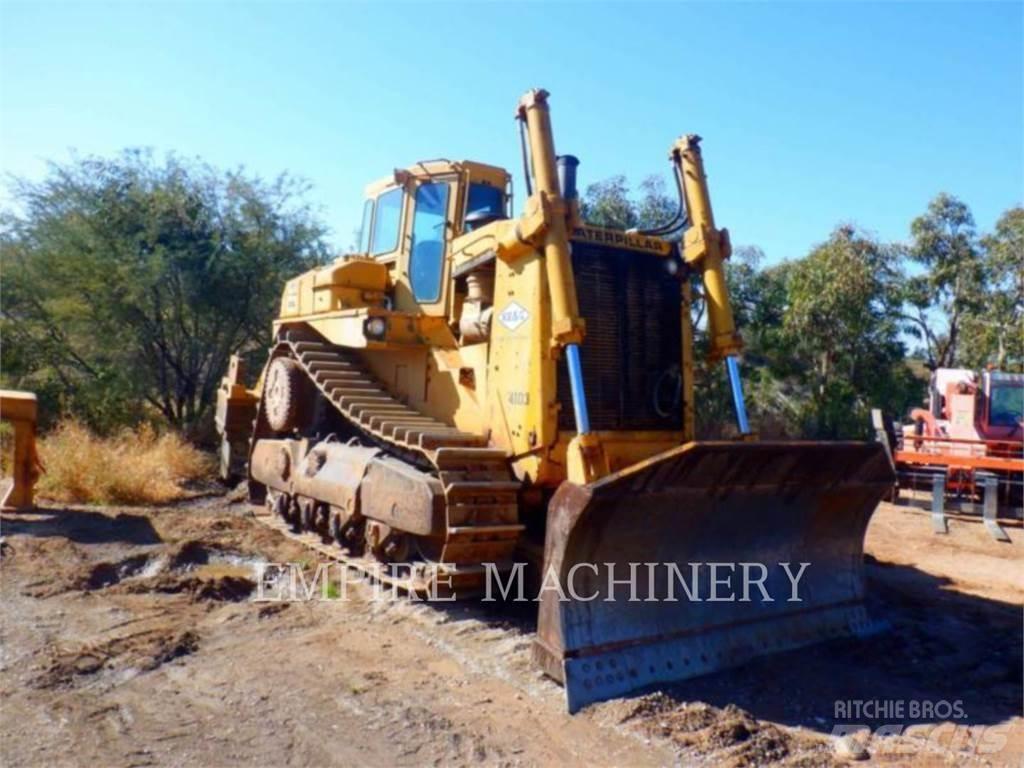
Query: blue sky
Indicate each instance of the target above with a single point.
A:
(812, 113)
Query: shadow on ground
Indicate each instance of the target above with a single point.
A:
(941, 647)
(81, 526)
(958, 652)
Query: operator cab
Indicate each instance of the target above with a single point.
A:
(410, 218)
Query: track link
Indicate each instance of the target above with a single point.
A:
(481, 496)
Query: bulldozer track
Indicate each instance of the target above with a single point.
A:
(423, 579)
(481, 497)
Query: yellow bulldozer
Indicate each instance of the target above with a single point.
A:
(473, 390)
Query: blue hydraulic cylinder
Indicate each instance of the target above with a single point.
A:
(579, 397)
(732, 366)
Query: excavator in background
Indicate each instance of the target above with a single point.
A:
(472, 391)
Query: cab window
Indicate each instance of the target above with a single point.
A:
(364, 230)
(1006, 407)
(389, 216)
(485, 199)
(429, 228)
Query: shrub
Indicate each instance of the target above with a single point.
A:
(134, 466)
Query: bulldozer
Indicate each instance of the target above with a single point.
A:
(473, 390)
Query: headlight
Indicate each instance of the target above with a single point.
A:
(375, 328)
(676, 268)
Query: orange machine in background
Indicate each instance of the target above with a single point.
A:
(966, 448)
(20, 410)
(971, 427)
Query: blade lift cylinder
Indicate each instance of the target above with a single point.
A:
(732, 367)
(567, 165)
(579, 397)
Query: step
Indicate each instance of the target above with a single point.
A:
(338, 392)
(392, 409)
(309, 346)
(469, 513)
(453, 456)
(462, 489)
(337, 366)
(346, 400)
(485, 531)
(430, 441)
(490, 474)
(411, 434)
(350, 385)
(353, 375)
(388, 425)
(309, 358)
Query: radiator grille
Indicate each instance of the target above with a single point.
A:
(632, 352)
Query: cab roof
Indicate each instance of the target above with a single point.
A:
(491, 174)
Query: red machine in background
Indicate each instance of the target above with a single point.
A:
(967, 447)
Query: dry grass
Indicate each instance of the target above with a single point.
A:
(133, 467)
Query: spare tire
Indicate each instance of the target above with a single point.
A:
(284, 394)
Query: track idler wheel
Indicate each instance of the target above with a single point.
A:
(284, 395)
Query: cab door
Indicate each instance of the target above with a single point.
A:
(426, 266)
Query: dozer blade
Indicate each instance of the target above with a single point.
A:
(700, 512)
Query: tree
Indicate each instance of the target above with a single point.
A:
(608, 204)
(655, 207)
(945, 244)
(129, 283)
(993, 331)
(841, 319)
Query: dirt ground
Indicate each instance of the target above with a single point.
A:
(130, 637)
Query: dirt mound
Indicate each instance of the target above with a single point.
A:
(732, 735)
(193, 567)
(138, 652)
(224, 588)
(106, 574)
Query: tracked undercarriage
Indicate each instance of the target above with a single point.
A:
(387, 484)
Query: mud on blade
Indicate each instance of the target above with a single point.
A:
(705, 508)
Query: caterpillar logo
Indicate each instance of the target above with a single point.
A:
(617, 237)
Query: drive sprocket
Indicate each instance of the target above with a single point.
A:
(283, 395)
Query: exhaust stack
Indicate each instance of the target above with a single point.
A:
(567, 165)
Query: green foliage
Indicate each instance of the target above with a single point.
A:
(944, 243)
(608, 204)
(994, 331)
(128, 283)
(967, 304)
(841, 324)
